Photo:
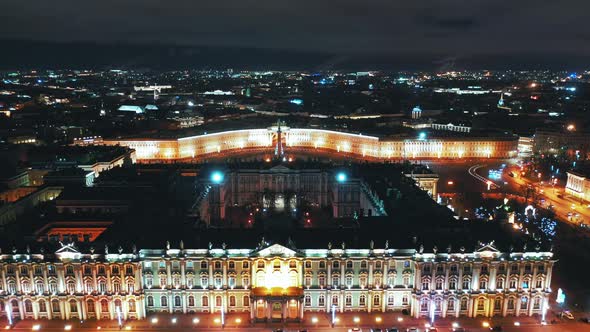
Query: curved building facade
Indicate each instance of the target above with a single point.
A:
(319, 140)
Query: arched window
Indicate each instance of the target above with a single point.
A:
(524, 303)
(42, 306)
(322, 300)
(104, 306)
(481, 304)
(246, 300)
(405, 300)
(163, 301)
(177, 301)
(131, 304)
(511, 303)
(205, 301)
(348, 300)
(150, 301)
(498, 303)
(55, 306)
(28, 306)
(90, 306)
(232, 301)
(191, 301)
(464, 303)
(424, 305)
(451, 305)
(390, 300)
(73, 306)
(362, 300)
(307, 301)
(376, 300)
(218, 301)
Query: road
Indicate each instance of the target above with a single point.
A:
(554, 195)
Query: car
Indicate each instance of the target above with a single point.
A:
(355, 329)
(459, 329)
(432, 329)
(568, 315)
(496, 328)
(412, 329)
(393, 329)
(585, 320)
(375, 330)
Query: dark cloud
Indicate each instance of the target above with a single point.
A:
(456, 27)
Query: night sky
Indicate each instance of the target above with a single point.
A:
(456, 29)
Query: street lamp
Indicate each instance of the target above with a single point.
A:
(333, 315)
(119, 319)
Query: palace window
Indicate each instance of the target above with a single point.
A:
(349, 264)
(307, 301)
(500, 283)
(217, 265)
(497, 303)
(390, 300)
(362, 300)
(537, 303)
(203, 265)
(466, 283)
(378, 265)
(150, 301)
(163, 301)
(513, 283)
(205, 301)
(246, 301)
(424, 305)
(307, 280)
(483, 284)
(204, 282)
(55, 306)
(71, 287)
(335, 300)
(232, 301)
(524, 303)
(335, 281)
(452, 284)
(463, 304)
(102, 286)
(481, 304)
(322, 264)
(308, 264)
(260, 264)
(43, 306)
(438, 284)
(511, 303)
(539, 283)
(292, 264)
(231, 265)
(245, 265)
(348, 300)
(321, 300)
(335, 264)
(191, 301)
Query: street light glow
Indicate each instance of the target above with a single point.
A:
(216, 177)
(341, 177)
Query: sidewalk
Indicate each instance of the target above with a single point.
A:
(242, 320)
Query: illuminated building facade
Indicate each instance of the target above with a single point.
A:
(273, 282)
(321, 141)
(578, 185)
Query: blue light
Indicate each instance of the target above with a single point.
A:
(341, 177)
(296, 101)
(422, 136)
(217, 177)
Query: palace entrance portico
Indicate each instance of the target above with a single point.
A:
(276, 304)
